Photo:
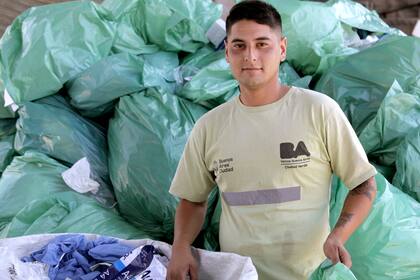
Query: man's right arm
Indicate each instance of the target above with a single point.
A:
(189, 219)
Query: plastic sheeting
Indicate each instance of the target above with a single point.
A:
(7, 137)
(69, 212)
(407, 177)
(27, 178)
(146, 138)
(328, 271)
(47, 45)
(93, 90)
(172, 25)
(360, 83)
(398, 114)
(385, 246)
(50, 126)
(320, 34)
(5, 112)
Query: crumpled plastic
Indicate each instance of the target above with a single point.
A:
(7, 138)
(11, 267)
(94, 90)
(407, 177)
(172, 25)
(28, 177)
(361, 81)
(320, 34)
(328, 271)
(46, 46)
(385, 245)
(69, 211)
(398, 114)
(52, 127)
(78, 177)
(146, 138)
(5, 112)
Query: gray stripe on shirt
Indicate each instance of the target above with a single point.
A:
(269, 196)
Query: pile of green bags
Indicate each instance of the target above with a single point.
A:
(360, 82)
(157, 125)
(385, 246)
(321, 34)
(408, 164)
(119, 86)
(95, 90)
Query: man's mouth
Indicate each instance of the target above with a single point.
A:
(251, 68)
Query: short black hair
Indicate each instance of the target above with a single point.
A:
(255, 10)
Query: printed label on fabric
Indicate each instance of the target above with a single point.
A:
(292, 157)
(223, 166)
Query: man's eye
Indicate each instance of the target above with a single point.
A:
(238, 46)
(262, 44)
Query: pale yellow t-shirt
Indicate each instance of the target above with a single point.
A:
(273, 165)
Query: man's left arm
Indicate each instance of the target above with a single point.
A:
(356, 208)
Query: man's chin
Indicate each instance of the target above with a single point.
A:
(252, 84)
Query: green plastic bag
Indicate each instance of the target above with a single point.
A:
(407, 177)
(119, 75)
(328, 271)
(6, 151)
(7, 137)
(211, 86)
(146, 138)
(360, 83)
(172, 25)
(5, 112)
(386, 245)
(126, 39)
(29, 177)
(320, 34)
(398, 114)
(51, 127)
(69, 212)
(47, 45)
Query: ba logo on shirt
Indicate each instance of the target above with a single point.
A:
(294, 157)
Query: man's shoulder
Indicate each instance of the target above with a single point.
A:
(217, 115)
(315, 99)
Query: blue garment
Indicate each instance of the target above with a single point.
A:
(73, 255)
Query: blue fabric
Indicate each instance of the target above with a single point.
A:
(72, 256)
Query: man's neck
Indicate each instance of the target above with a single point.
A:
(264, 95)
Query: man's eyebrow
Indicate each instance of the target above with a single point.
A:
(237, 40)
(262, 39)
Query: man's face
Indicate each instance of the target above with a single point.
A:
(254, 52)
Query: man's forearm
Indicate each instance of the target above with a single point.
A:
(356, 208)
(189, 219)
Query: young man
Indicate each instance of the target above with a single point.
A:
(271, 151)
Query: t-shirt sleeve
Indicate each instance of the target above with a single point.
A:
(193, 180)
(347, 157)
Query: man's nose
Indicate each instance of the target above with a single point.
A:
(250, 55)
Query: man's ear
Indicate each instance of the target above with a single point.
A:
(226, 51)
(283, 48)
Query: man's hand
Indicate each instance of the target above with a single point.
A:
(335, 251)
(355, 209)
(182, 263)
(189, 219)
